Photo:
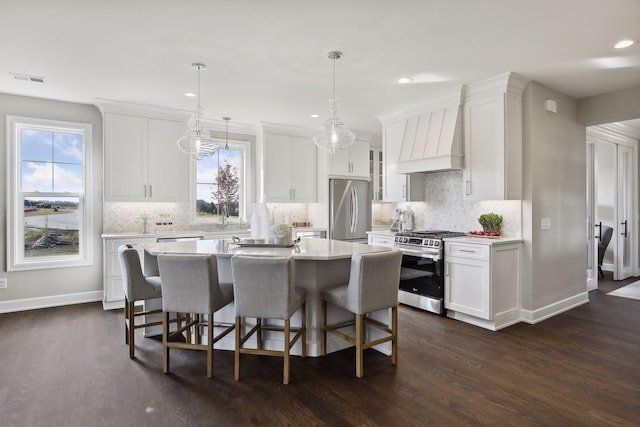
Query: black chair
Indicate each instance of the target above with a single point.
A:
(607, 232)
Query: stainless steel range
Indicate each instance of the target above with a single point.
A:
(422, 272)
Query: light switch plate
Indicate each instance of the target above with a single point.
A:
(3, 283)
(545, 224)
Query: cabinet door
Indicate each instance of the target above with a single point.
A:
(484, 149)
(359, 158)
(125, 163)
(277, 168)
(303, 170)
(168, 166)
(339, 164)
(395, 184)
(467, 286)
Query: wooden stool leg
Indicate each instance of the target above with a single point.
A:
(287, 346)
(165, 336)
(209, 345)
(259, 332)
(359, 341)
(324, 328)
(304, 330)
(237, 354)
(126, 321)
(132, 330)
(394, 334)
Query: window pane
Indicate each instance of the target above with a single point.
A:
(36, 145)
(51, 227)
(67, 148)
(37, 176)
(212, 201)
(67, 178)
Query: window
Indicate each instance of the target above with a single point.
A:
(221, 190)
(48, 209)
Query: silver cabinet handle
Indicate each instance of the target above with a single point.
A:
(150, 190)
(446, 269)
(145, 190)
(471, 251)
(468, 187)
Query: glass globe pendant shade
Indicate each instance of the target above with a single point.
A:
(334, 136)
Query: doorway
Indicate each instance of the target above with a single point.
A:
(611, 202)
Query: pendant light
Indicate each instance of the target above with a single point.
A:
(197, 141)
(334, 136)
(226, 132)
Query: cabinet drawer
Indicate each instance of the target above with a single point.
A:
(381, 240)
(467, 250)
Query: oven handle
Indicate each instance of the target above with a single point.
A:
(419, 253)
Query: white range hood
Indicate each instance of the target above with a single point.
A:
(433, 133)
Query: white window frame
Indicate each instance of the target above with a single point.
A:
(15, 197)
(245, 181)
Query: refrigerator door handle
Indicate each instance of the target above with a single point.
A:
(354, 209)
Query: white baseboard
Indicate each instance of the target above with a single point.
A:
(540, 314)
(49, 301)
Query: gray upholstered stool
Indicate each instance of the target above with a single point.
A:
(136, 287)
(373, 285)
(190, 286)
(264, 288)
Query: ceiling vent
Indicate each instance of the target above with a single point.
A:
(28, 78)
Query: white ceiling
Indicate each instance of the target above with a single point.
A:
(266, 59)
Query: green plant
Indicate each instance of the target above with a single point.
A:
(490, 222)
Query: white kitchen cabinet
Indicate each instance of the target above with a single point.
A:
(493, 139)
(352, 162)
(381, 239)
(398, 187)
(376, 176)
(289, 169)
(482, 282)
(142, 162)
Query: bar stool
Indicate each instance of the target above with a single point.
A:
(264, 289)
(136, 287)
(373, 285)
(190, 286)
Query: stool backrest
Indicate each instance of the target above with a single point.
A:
(263, 286)
(189, 283)
(374, 281)
(134, 284)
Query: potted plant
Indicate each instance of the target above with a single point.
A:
(491, 223)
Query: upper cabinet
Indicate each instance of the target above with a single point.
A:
(493, 139)
(142, 162)
(398, 187)
(288, 163)
(352, 162)
(376, 167)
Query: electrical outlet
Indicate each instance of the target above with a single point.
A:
(3, 283)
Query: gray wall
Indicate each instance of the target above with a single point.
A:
(554, 187)
(610, 107)
(44, 284)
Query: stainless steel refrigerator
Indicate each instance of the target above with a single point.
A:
(349, 209)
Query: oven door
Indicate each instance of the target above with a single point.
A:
(422, 276)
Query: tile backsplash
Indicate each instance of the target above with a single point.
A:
(443, 209)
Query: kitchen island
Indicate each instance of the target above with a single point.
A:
(319, 264)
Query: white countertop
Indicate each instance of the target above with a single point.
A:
(307, 249)
(484, 240)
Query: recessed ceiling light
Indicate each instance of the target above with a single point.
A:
(405, 80)
(190, 94)
(315, 116)
(624, 43)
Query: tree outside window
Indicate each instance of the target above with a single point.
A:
(218, 186)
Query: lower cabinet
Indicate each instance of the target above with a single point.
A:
(482, 282)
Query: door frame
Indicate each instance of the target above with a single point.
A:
(613, 134)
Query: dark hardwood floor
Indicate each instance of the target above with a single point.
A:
(69, 366)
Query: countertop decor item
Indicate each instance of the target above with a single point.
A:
(491, 223)
(334, 136)
(281, 234)
(197, 141)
